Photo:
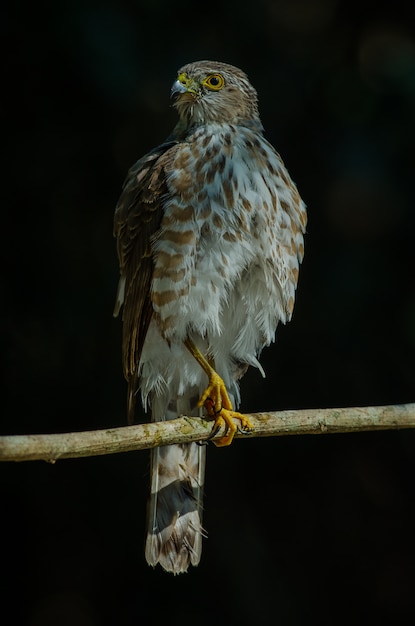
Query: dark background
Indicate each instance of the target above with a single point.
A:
(302, 530)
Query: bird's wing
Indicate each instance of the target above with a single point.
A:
(137, 218)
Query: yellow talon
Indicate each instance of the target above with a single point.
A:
(216, 390)
(217, 403)
(227, 417)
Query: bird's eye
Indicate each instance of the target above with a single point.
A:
(214, 82)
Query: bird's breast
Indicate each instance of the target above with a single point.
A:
(222, 214)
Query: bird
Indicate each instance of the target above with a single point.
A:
(210, 236)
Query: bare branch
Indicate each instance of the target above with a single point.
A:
(186, 429)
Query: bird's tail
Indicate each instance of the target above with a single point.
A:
(174, 534)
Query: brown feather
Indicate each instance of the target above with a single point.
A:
(209, 232)
(137, 218)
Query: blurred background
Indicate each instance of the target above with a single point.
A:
(302, 530)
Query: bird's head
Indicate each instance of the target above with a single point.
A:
(210, 91)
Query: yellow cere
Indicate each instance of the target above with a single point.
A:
(182, 78)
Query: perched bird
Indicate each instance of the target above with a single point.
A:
(209, 232)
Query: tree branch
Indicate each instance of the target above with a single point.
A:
(186, 429)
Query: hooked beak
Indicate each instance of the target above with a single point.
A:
(177, 88)
(185, 88)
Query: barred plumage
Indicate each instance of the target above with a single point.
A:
(209, 231)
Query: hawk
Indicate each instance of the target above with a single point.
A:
(209, 230)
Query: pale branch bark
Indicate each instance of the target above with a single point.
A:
(186, 429)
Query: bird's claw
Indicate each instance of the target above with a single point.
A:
(226, 417)
(216, 428)
(204, 442)
(217, 403)
(245, 430)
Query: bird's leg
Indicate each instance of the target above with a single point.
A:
(216, 401)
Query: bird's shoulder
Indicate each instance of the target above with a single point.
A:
(139, 208)
(143, 183)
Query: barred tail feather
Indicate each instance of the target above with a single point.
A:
(174, 536)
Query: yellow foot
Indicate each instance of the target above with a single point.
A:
(225, 416)
(216, 401)
(215, 397)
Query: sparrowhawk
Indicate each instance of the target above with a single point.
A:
(209, 232)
